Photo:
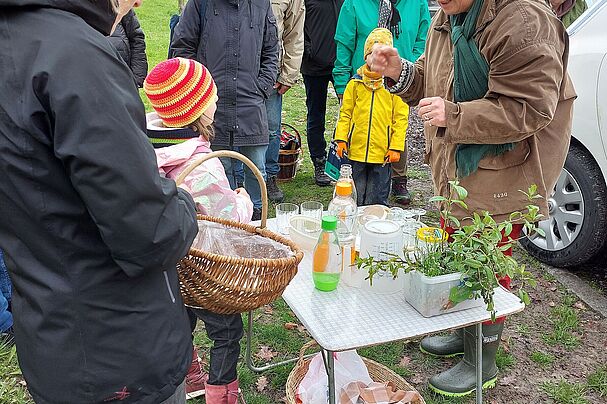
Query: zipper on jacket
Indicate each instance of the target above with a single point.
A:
(369, 129)
(166, 279)
(250, 14)
(388, 133)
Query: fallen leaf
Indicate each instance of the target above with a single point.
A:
(507, 381)
(268, 309)
(265, 353)
(553, 289)
(551, 304)
(404, 362)
(417, 380)
(290, 326)
(301, 328)
(579, 305)
(262, 383)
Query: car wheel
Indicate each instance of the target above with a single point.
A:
(577, 228)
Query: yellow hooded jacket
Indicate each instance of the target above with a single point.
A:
(371, 122)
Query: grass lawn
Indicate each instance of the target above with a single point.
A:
(550, 353)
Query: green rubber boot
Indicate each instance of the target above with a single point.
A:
(444, 346)
(460, 380)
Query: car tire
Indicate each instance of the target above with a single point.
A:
(590, 239)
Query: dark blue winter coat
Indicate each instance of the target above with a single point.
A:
(239, 46)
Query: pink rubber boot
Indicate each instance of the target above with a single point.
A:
(225, 394)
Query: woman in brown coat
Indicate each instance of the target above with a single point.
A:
(493, 90)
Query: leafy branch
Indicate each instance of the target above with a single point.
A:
(475, 249)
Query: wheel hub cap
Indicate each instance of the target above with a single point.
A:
(566, 210)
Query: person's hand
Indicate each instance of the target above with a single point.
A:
(432, 111)
(342, 148)
(281, 88)
(385, 60)
(242, 191)
(392, 156)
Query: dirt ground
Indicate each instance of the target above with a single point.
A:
(526, 332)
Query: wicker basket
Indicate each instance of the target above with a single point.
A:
(230, 285)
(377, 372)
(289, 160)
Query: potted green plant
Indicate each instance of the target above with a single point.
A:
(464, 271)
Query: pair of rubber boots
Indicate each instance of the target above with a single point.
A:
(460, 380)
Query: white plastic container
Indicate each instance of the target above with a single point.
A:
(430, 295)
(383, 283)
(381, 239)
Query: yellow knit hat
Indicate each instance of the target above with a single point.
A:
(381, 36)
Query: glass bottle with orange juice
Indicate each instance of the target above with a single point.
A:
(326, 259)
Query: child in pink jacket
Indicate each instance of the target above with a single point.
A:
(181, 130)
(184, 98)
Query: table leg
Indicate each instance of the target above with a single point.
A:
(249, 352)
(479, 363)
(330, 369)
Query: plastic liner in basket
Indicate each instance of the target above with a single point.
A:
(219, 239)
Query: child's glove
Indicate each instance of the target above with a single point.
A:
(342, 147)
(392, 156)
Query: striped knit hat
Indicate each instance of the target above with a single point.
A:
(180, 90)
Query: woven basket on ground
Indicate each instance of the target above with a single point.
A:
(377, 372)
(230, 285)
(289, 160)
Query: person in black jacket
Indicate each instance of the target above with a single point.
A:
(90, 231)
(129, 40)
(238, 42)
(316, 69)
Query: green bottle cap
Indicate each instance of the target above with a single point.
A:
(329, 223)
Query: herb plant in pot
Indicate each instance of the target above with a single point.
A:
(463, 272)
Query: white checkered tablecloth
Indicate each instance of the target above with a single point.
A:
(350, 318)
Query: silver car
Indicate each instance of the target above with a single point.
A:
(576, 232)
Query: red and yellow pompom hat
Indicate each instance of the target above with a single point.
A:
(180, 90)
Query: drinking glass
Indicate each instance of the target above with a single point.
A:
(397, 215)
(284, 212)
(410, 226)
(314, 210)
(418, 213)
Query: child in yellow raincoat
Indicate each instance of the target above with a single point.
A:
(371, 128)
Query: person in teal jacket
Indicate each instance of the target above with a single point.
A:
(409, 21)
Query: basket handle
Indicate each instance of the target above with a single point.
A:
(245, 160)
(304, 348)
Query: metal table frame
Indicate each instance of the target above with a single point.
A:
(301, 290)
(330, 363)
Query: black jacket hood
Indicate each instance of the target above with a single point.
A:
(97, 13)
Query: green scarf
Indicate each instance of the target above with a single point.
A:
(470, 82)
